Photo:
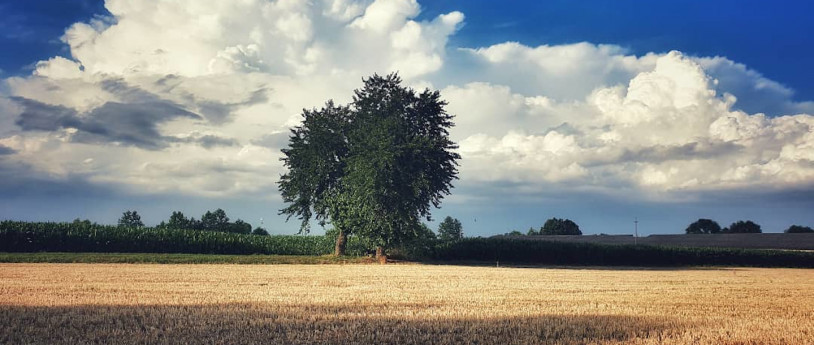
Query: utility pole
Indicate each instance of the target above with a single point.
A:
(636, 230)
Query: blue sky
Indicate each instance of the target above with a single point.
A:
(598, 111)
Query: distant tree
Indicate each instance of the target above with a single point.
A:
(85, 223)
(195, 224)
(130, 219)
(532, 232)
(799, 229)
(178, 221)
(450, 229)
(215, 221)
(743, 227)
(556, 226)
(703, 226)
(260, 231)
(514, 233)
(239, 227)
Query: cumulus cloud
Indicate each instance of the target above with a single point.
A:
(198, 97)
(666, 130)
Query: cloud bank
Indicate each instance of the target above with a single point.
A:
(195, 98)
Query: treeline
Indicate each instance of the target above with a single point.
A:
(216, 221)
(552, 226)
(557, 226)
(709, 226)
(507, 250)
(81, 237)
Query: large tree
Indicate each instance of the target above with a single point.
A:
(556, 226)
(316, 157)
(703, 226)
(374, 167)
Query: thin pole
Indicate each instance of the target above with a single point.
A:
(636, 230)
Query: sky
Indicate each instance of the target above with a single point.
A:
(598, 111)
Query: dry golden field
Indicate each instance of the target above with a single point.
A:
(401, 304)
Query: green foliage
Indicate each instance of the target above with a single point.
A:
(130, 219)
(525, 251)
(514, 233)
(422, 245)
(316, 157)
(703, 226)
(556, 226)
(70, 237)
(450, 229)
(260, 231)
(210, 221)
(743, 227)
(799, 229)
(374, 167)
(178, 221)
(215, 221)
(532, 232)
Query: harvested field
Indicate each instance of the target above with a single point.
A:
(401, 304)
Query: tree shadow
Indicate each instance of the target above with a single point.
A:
(261, 323)
(502, 264)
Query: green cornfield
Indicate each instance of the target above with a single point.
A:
(81, 237)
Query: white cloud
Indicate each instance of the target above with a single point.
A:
(667, 130)
(580, 116)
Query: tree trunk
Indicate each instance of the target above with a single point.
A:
(380, 255)
(341, 241)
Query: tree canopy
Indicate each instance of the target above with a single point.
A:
(374, 167)
(703, 226)
(742, 227)
(450, 229)
(130, 219)
(799, 229)
(556, 226)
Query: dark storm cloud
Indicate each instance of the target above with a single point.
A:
(130, 124)
(133, 124)
(38, 116)
(220, 112)
(210, 141)
(19, 179)
(6, 150)
(273, 141)
(206, 141)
